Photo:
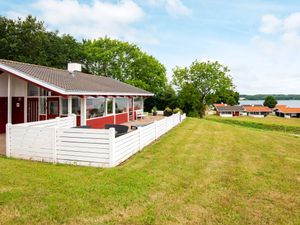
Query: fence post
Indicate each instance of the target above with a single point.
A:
(112, 134)
(8, 134)
(57, 121)
(54, 145)
(74, 120)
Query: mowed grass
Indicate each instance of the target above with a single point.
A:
(272, 123)
(271, 120)
(202, 172)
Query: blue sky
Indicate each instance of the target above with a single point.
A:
(258, 40)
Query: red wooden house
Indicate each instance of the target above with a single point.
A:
(31, 93)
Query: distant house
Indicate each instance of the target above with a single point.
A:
(257, 111)
(229, 111)
(287, 112)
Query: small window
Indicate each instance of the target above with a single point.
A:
(121, 105)
(43, 101)
(109, 103)
(95, 107)
(137, 103)
(64, 106)
(76, 105)
(53, 107)
(33, 90)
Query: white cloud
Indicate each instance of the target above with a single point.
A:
(292, 22)
(272, 54)
(279, 36)
(270, 24)
(91, 21)
(98, 19)
(176, 7)
(173, 7)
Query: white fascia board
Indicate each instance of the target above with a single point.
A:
(32, 79)
(108, 93)
(63, 91)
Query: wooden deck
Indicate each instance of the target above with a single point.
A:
(145, 121)
(2, 144)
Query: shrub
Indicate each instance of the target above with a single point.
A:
(154, 111)
(168, 112)
(177, 110)
(193, 114)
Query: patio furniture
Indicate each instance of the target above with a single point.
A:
(120, 129)
(140, 114)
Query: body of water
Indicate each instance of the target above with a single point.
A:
(290, 103)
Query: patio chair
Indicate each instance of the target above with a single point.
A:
(140, 114)
(120, 129)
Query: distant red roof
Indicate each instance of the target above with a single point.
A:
(280, 107)
(219, 104)
(257, 109)
(289, 110)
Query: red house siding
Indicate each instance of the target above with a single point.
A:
(42, 117)
(100, 122)
(121, 118)
(3, 114)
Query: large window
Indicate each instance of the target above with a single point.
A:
(76, 105)
(137, 103)
(33, 90)
(109, 102)
(121, 105)
(95, 107)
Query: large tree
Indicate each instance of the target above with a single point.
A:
(270, 101)
(28, 41)
(205, 80)
(125, 62)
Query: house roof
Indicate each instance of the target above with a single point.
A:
(229, 108)
(277, 107)
(257, 109)
(66, 83)
(289, 110)
(219, 104)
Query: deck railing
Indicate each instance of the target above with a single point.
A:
(56, 141)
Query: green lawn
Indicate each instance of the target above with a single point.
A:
(271, 120)
(267, 123)
(202, 172)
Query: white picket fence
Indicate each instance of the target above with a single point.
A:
(58, 142)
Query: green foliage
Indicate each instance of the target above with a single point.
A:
(202, 83)
(270, 102)
(166, 98)
(257, 125)
(229, 97)
(168, 111)
(29, 41)
(125, 62)
(154, 109)
(177, 110)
